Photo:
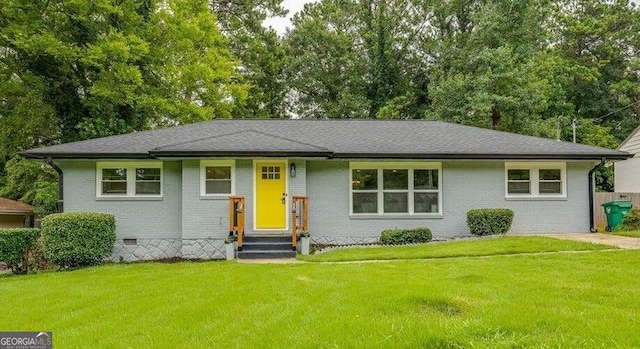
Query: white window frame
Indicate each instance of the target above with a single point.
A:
(216, 163)
(410, 166)
(131, 167)
(534, 177)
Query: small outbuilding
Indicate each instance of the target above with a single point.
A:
(15, 214)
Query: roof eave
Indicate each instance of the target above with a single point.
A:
(16, 212)
(324, 154)
(65, 156)
(449, 156)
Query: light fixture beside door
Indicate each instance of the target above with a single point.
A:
(292, 169)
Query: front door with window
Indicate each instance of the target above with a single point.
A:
(271, 197)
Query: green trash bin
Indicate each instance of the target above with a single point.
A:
(615, 211)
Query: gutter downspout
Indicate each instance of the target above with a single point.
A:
(592, 189)
(49, 162)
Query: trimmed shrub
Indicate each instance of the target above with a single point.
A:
(489, 221)
(77, 239)
(15, 247)
(37, 260)
(405, 236)
(630, 221)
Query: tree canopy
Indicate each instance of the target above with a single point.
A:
(72, 70)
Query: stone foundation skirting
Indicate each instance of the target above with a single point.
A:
(343, 240)
(155, 249)
(203, 249)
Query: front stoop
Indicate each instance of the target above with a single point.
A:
(266, 247)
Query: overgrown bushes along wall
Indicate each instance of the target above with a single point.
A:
(15, 246)
(489, 221)
(76, 239)
(405, 236)
(630, 221)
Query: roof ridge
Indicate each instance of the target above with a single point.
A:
(237, 133)
(197, 140)
(291, 140)
(319, 120)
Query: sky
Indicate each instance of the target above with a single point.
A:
(280, 24)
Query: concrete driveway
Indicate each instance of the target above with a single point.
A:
(597, 238)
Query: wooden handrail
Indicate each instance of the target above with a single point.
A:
(299, 217)
(236, 218)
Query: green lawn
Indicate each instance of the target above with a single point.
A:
(552, 300)
(461, 248)
(632, 233)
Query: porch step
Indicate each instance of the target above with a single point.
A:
(267, 246)
(265, 254)
(259, 247)
(267, 238)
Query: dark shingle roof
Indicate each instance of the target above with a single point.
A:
(241, 143)
(420, 139)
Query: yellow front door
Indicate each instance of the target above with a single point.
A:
(271, 199)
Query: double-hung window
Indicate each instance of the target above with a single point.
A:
(395, 188)
(129, 179)
(426, 190)
(148, 181)
(364, 190)
(217, 178)
(113, 181)
(536, 179)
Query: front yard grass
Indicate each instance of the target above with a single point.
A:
(500, 245)
(554, 300)
(632, 233)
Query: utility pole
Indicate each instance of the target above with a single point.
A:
(573, 127)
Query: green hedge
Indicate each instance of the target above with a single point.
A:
(405, 236)
(78, 239)
(489, 221)
(15, 246)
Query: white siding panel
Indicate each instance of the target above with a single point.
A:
(627, 175)
(632, 144)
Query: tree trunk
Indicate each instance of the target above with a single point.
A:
(495, 118)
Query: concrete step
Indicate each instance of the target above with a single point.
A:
(267, 238)
(266, 254)
(266, 246)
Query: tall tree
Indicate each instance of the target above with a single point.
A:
(260, 50)
(358, 58)
(600, 45)
(73, 69)
(107, 68)
(327, 68)
(398, 72)
(485, 73)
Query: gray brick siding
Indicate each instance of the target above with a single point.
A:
(148, 219)
(185, 224)
(466, 185)
(203, 217)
